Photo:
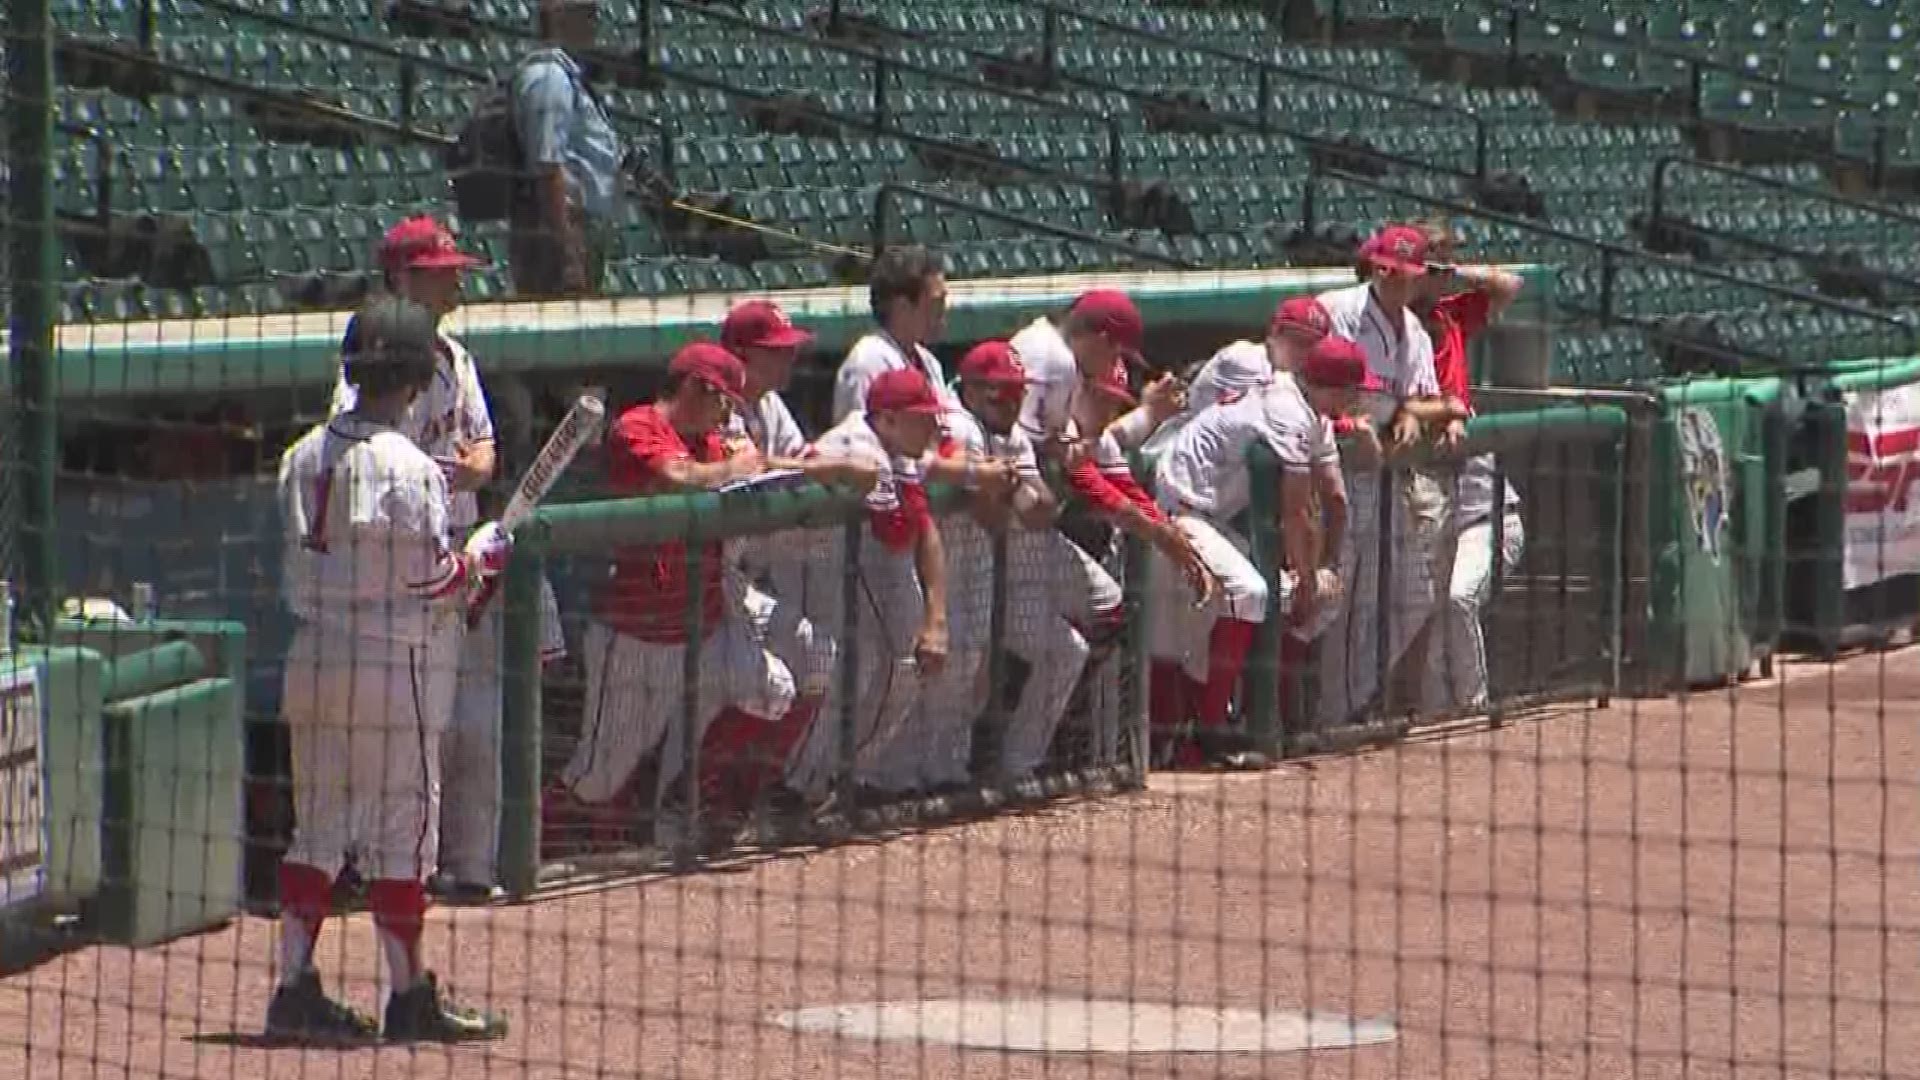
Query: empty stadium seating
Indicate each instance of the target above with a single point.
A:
(266, 210)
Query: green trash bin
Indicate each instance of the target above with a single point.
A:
(1716, 530)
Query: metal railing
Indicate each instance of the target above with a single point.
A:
(889, 194)
(884, 67)
(1697, 67)
(1266, 71)
(1261, 124)
(1656, 195)
(1611, 255)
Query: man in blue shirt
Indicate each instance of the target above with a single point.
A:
(562, 224)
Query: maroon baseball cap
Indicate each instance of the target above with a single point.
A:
(1337, 362)
(1301, 315)
(1401, 248)
(994, 363)
(1113, 313)
(421, 243)
(711, 364)
(760, 324)
(903, 390)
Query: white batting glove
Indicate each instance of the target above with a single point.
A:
(489, 548)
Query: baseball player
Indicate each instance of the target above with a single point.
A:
(742, 756)
(420, 261)
(635, 650)
(1297, 324)
(1110, 501)
(1203, 482)
(901, 599)
(991, 386)
(378, 591)
(1458, 302)
(1065, 357)
(907, 292)
(1379, 314)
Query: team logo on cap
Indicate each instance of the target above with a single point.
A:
(1403, 247)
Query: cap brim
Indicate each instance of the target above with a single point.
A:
(456, 260)
(726, 391)
(1289, 326)
(1401, 266)
(785, 339)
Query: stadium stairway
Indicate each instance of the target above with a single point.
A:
(267, 211)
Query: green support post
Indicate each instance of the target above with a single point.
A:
(32, 270)
(519, 850)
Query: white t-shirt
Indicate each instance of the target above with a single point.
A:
(452, 410)
(1236, 368)
(770, 425)
(873, 354)
(1402, 361)
(1053, 379)
(1205, 470)
(368, 547)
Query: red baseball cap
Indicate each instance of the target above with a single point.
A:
(1339, 363)
(1113, 383)
(1402, 248)
(1301, 315)
(1113, 313)
(760, 324)
(421, 243)
(903, 390)
(994, 363)
(711, 364)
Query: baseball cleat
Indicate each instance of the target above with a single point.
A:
(303, 1014)
(421, 1014)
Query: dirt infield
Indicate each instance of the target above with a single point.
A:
(1722, 885)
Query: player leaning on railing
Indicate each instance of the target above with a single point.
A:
(1457, 302)
(379, 592)
(635, 649)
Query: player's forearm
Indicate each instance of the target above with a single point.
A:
(955, 470)
(1035, 505)
(930, 561)
(1300, 535)
(1434, 410)
(1332, 519)
(691, 475)
(1501, 286)
(477, 467)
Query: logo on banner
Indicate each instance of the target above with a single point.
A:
(1704, 474)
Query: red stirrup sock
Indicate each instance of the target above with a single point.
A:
(306, 892)
(399, 913)
(1227, 649)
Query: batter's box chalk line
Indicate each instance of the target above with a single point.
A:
(1083, 1026)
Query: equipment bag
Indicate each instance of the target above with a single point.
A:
(486, 163)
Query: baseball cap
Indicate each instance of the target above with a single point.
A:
(903, 390)
(1113, 313)
(1301, 315)
(993, 362)
(711, 364)
(1337, 362)
(421, 243)
(1113, 383)
(1402, 248)
(760, 324)
(1233, 371)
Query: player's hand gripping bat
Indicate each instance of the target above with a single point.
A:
(575, 429)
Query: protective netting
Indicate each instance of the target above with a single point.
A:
(1592, 753)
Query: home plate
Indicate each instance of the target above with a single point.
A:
(1080, 1026)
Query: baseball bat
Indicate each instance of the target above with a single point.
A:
(572, 434)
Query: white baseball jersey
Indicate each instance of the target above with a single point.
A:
(895, 508)
(1053, 379)
(770, 425)
(873, 354)
(452, 410)
(368, 546)
(1473, 493)
(1235, 369)
(1205, 470)
(1401, 358)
